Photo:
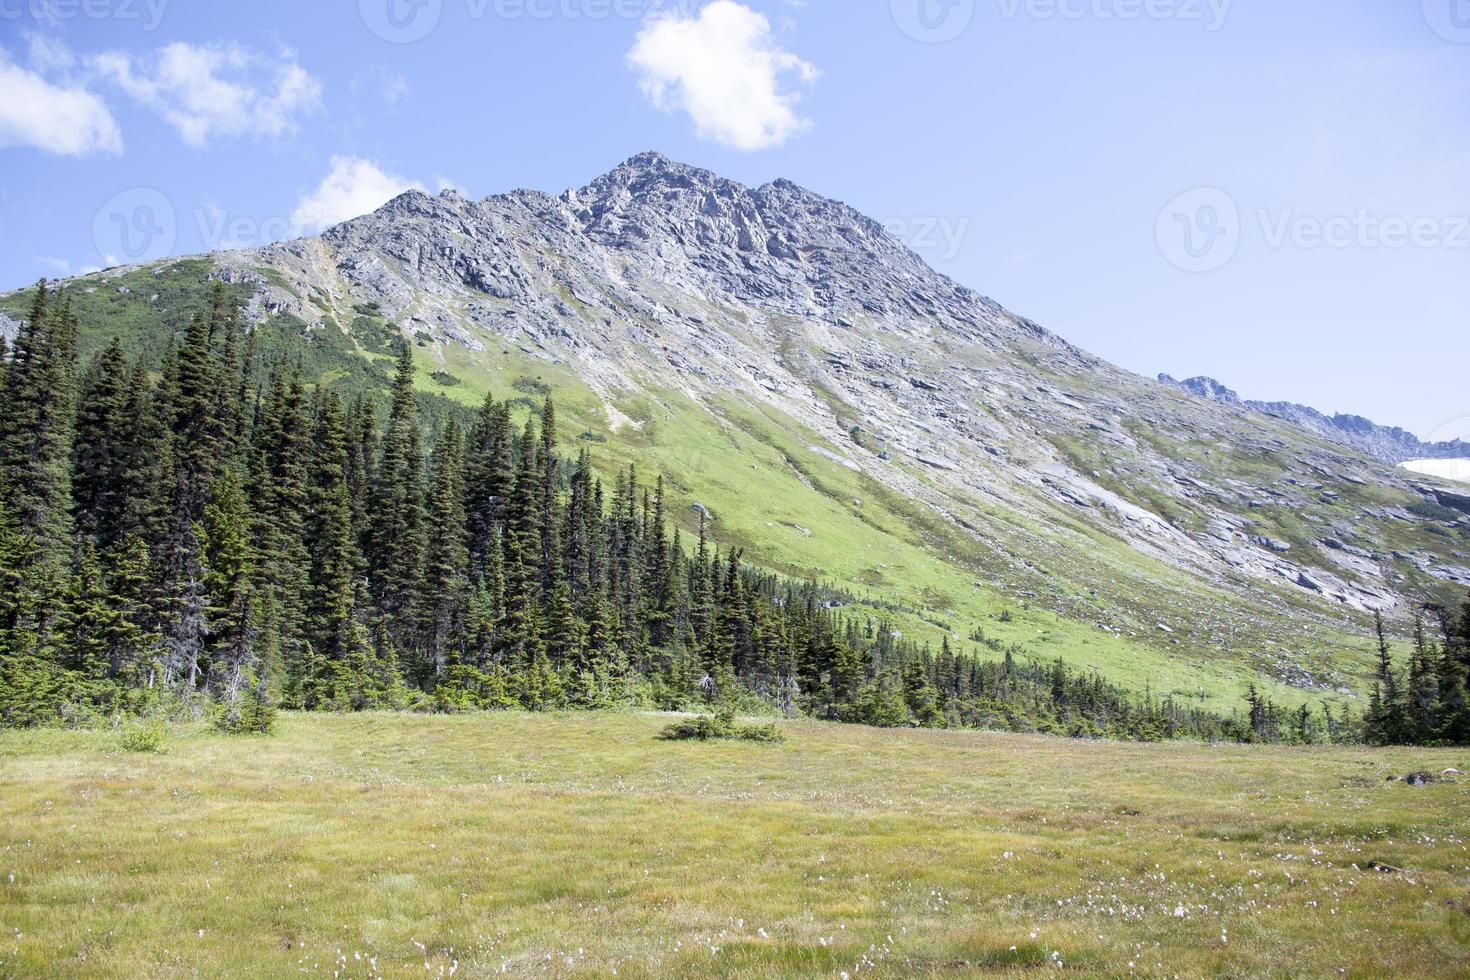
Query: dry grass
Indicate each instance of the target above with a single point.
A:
(395, 845)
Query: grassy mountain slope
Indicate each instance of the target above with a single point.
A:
(847, 415)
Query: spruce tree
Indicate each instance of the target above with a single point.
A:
(101, 449)
(131, 574)
(36, 429)
(229, 578)
(546, 510)
(446, 575)
(522, 521)
(1423, 689)
(332, 628)
(283, 498)
(488, 480)
(89, 619)
(1385, 723)
(396, 539)
(1452, 711)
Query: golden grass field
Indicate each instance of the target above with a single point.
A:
(396, 845)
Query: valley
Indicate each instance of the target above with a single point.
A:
(568, 845)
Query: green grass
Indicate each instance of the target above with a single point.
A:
(385, 845)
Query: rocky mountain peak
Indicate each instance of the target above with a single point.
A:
(1205, 387)
(664, 280)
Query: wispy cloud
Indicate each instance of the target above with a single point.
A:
(216, 90)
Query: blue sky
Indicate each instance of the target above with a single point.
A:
(1272, 193)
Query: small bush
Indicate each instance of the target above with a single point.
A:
(251, 714)
(1432, 511)
(531, 386)
(142, 736)
(721, 725)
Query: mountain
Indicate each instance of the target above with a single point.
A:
(1390, 444)
(844, 412)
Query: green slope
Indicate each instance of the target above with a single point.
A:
(776, 490)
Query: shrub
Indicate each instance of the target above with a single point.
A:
(880, 705)
(142, 736)
(721, 725)
(250, 714)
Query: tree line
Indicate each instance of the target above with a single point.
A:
(1425, 704)
(210, 531)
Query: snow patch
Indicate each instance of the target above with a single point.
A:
(1445, 469)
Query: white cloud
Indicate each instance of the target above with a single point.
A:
(353, 187)
(392, 86)
(216, 90)
(725, 69)
(64, 119)
(47, 54)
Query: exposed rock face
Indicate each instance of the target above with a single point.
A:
(1388, 443)
(659, 277)
(1205, 388)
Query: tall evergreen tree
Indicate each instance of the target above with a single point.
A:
(337, 640)
(229, 581)
(446, 584)
(36, 428)
(488, 480)
(1385, 723)
(396, 540)
(102, 449)
(283, 498)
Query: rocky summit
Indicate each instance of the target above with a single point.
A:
(906, 436)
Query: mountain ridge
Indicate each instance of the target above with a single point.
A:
(904, 434)
(1391, 444)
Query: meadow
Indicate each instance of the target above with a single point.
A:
(561, 845)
